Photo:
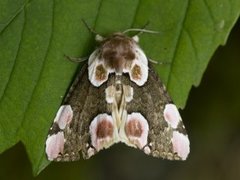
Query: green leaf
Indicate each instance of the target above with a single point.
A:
(34, 36)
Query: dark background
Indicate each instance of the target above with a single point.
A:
(211, 117)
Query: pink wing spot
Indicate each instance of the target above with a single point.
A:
(64, 116)
(101, 131)
(181, 144)
(136, 129)
(171, 115)
(54, 145)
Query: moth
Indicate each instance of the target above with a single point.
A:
(117, 97)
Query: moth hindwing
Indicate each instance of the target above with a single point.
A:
(117, 97)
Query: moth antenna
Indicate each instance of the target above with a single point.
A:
(144, 27)
(141, 30)
(75, 59)
(157, 62)
(146, 24)
(98, 36)
(89, 28)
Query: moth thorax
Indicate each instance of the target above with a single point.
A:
(117, 51)
(118, 79)
(118, 88)
(116, 63)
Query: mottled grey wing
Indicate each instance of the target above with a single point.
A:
(150, 100)
(86, 102)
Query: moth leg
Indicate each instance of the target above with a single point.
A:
(76, 59)
(158, 62)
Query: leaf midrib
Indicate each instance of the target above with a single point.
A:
(177, 44)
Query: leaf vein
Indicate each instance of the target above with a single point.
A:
(11, 19)
(209, 11)
(98, 11)
(40, 74)
(136, 12)
(192, 44)
(177, 43)
(15, 59)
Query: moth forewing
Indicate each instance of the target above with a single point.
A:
(117, 98)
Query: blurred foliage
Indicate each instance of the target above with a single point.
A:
(34, 40)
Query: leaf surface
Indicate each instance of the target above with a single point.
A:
(35, 35)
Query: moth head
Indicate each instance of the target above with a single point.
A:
(117, 51)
